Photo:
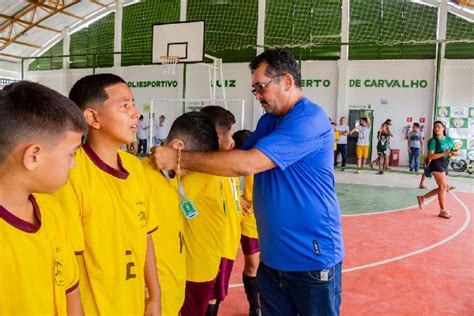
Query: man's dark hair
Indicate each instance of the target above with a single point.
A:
(197, 131)
(90, 90)
(223, 119)
(280, 61)
(240, 137)
(30, 111)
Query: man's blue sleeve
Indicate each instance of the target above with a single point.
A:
(296, 137)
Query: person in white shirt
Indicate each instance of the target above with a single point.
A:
(160, 131)
(343, 130)
(362, 148)
(142, 139)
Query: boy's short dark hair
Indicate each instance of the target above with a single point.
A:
(223, 119)
(197, 131)
(240, 137)
(416, 125)
(90, 90)
(280, 61)
(31, 111)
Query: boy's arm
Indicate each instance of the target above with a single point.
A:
(367, 116)
(153, 306)
(74, 304)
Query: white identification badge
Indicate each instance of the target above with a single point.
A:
(324, 275)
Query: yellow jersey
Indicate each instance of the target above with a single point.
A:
(204, 233)
(168, 240)
(108, 215)
(38, 266)
(231, 242)
(249, 224)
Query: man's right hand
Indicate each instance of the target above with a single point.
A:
(163, 158)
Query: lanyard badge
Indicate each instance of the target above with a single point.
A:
(186, 206)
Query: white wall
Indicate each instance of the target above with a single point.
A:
(394, 102)
(320, 84)
(319, 81)
(10, 70)
(457, 95)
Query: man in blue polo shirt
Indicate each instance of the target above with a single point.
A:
(295, 203)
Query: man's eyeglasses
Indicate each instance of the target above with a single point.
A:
(260, 87)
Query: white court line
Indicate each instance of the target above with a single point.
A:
(419, 251)
(428, 201)
(410, 254)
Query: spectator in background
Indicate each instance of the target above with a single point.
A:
(161, 131)
(362, 148)
(383, 136)
(343, 130)
(141, 133)
(336, 139)
(415, 148)
(385, 146)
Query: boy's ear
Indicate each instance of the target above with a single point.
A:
(92, 118)
(32, 156)
(177, 144)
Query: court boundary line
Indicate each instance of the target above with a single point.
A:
(390, 211)
(465, 225)
(421, 250)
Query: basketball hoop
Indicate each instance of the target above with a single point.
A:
(170, 63)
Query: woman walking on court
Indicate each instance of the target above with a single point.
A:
(440, 148)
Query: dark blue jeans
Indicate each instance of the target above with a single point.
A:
(414, 158)
(142, 146)
(341, 148)
(304, 293)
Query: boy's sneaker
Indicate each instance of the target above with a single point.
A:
(358, 171)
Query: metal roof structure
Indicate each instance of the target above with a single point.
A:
(28, 26)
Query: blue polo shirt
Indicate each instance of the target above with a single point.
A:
(295, 204)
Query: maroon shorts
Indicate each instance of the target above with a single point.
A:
(221, 286)
(196, 298)
(249, 245)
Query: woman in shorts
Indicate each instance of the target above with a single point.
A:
(440, 148)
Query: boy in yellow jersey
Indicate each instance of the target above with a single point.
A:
(40, 130)
(192, 131)
(249, 238)
(107, 205)
(224, 121)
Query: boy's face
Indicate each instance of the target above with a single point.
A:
(415, 128)
(118, 115)
(226, 142)
(56, 161)
(362, 122)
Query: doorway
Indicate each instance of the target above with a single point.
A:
(354, 117)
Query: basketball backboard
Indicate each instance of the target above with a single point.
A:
(182, 39)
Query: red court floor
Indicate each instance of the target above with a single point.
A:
(407, 262)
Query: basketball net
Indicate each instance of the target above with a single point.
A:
(170, 63)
